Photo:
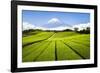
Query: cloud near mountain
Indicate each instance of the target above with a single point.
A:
(54, 24)
(27, 26)
(81, 26)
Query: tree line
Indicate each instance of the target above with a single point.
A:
(85, 31)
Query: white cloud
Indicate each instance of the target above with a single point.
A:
(27, 26)
(40, 28)
(60, 28)
(81, 26)
(56, 28)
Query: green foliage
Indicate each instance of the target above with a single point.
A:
(48, 54)
(85, 31)
(37, 37)
(67, 30)
(76, 29)
(51, 46)
(66, 53)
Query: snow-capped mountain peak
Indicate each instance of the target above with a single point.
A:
(54, 20)
(55, 23)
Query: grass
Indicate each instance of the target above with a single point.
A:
(66, 53)
(37, 37)
(55, 46)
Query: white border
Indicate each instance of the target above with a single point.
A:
(52, 63)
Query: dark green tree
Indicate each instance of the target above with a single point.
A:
(76, 29)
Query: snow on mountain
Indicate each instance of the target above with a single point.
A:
(54, 21)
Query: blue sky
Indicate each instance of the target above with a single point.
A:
(42, 17)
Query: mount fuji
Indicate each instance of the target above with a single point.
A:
(55, 24)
